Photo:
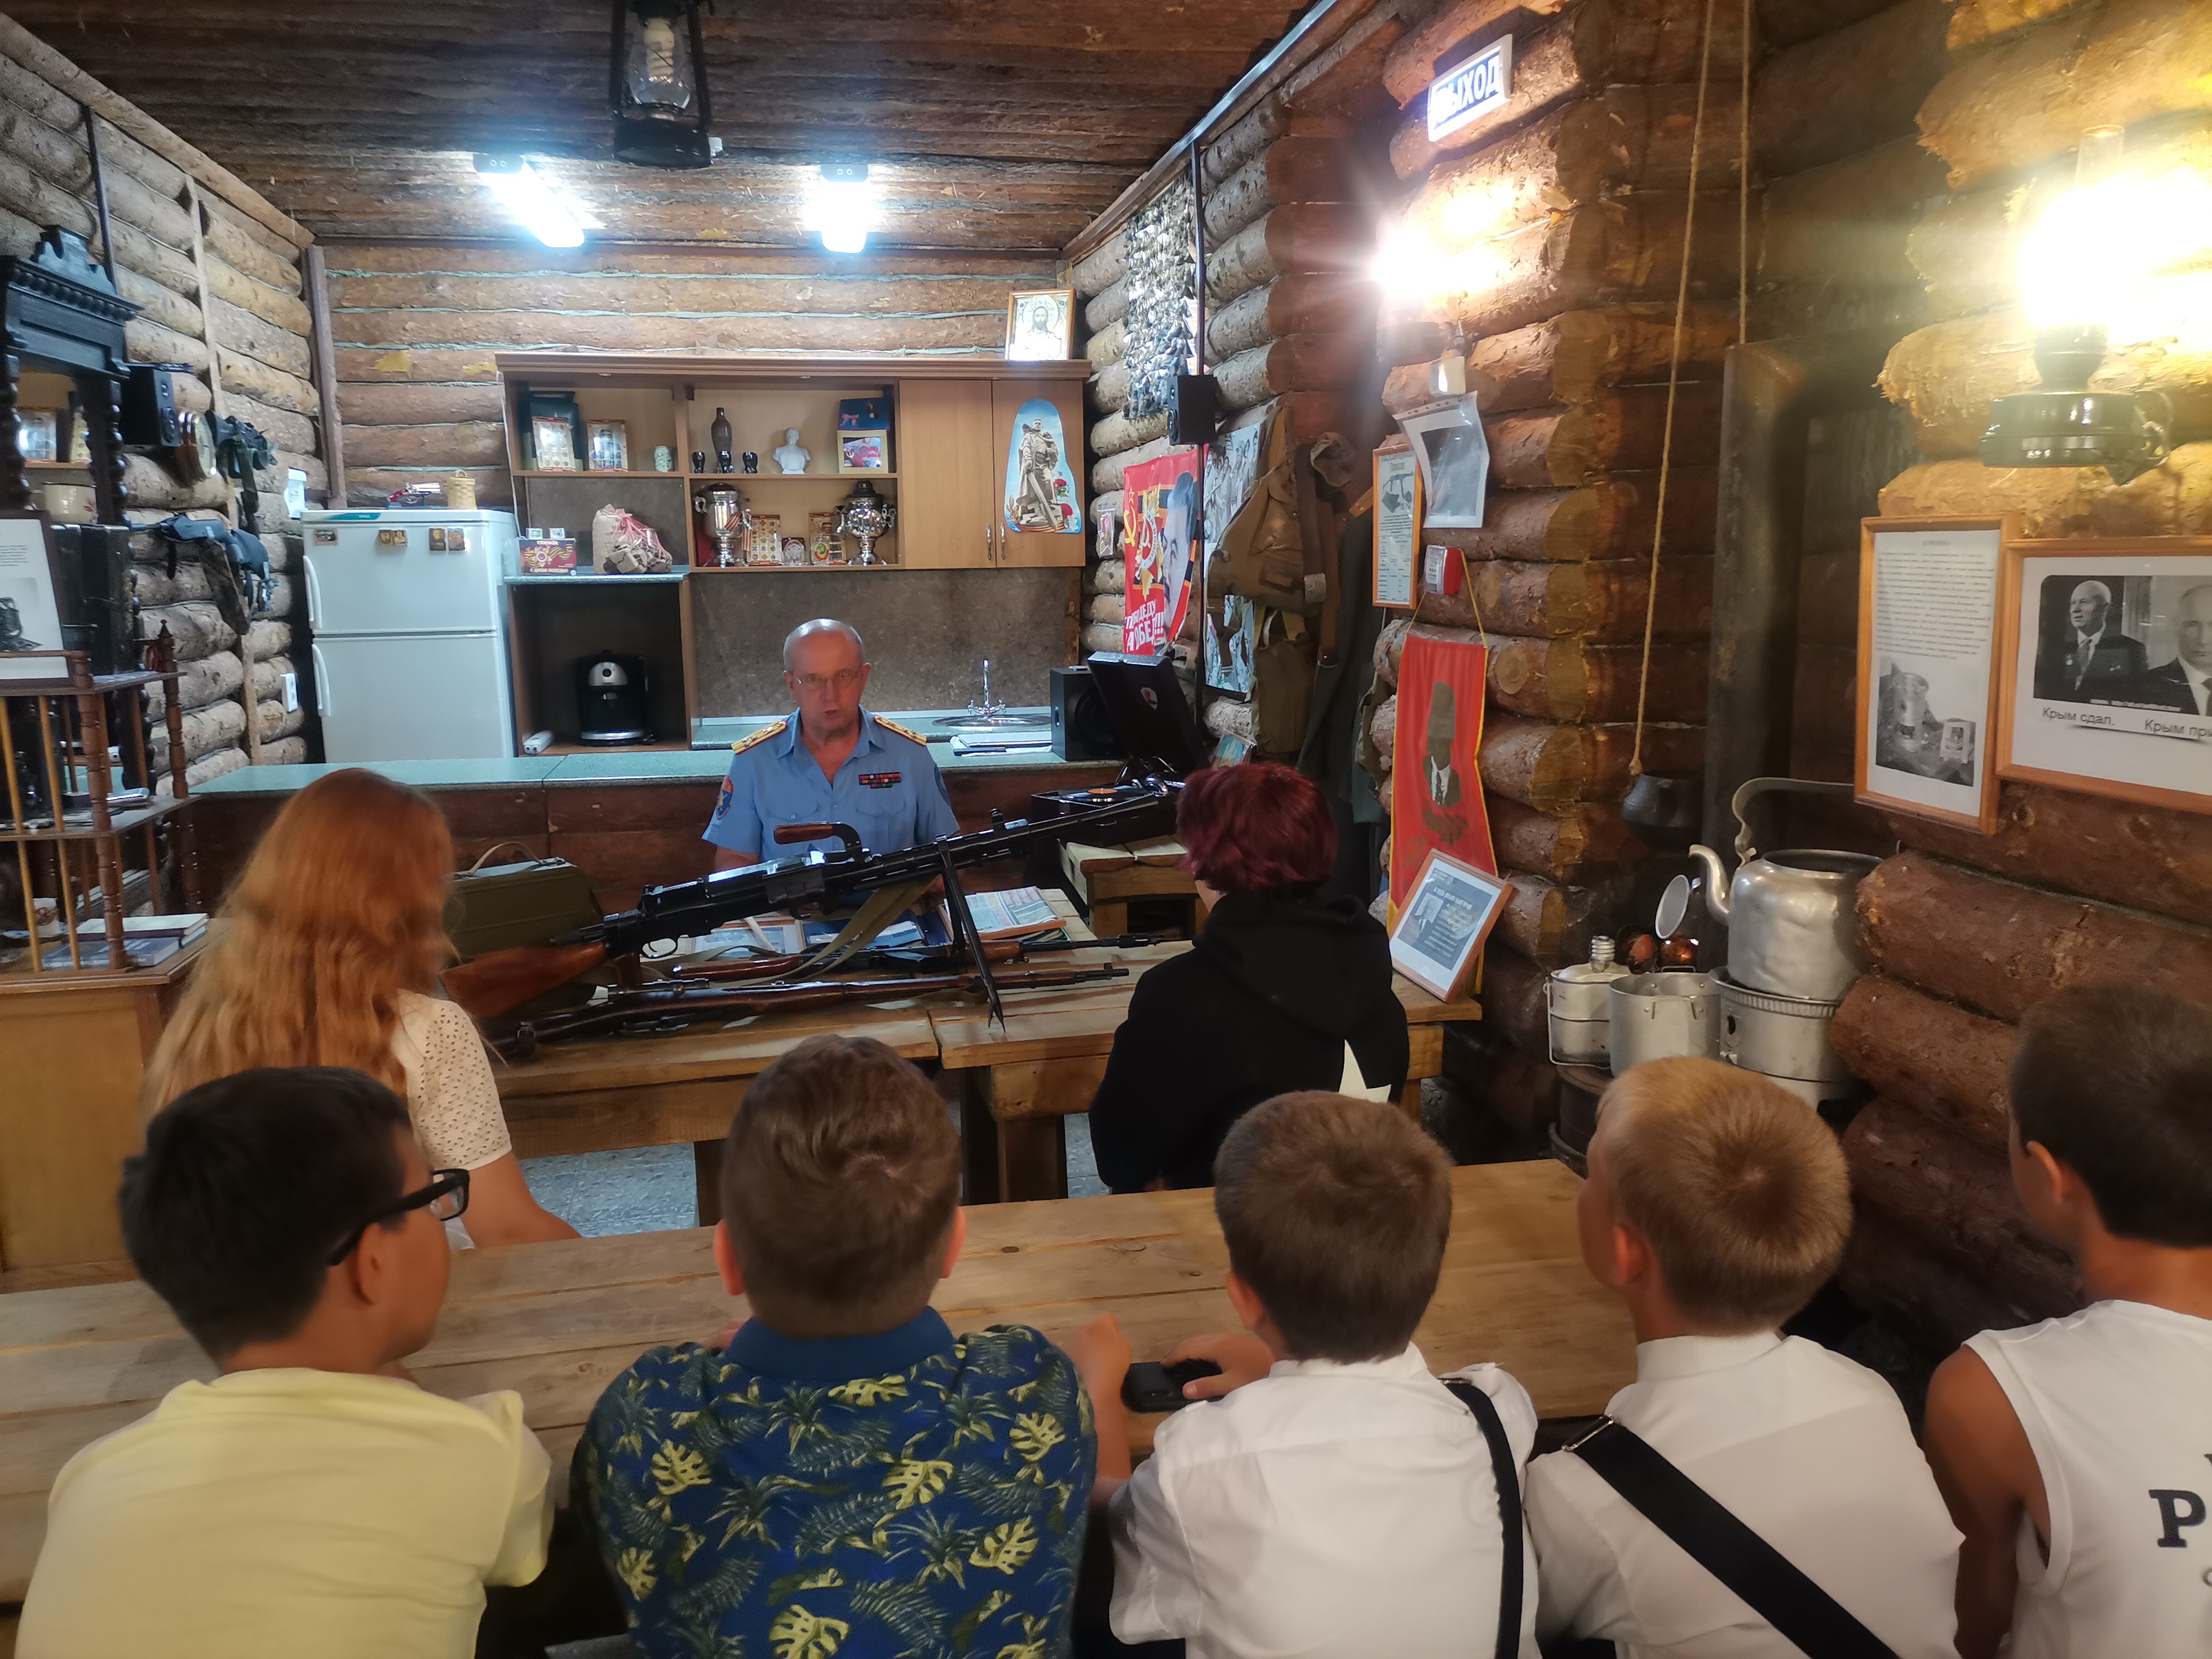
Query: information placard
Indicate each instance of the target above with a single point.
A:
(1397, 524)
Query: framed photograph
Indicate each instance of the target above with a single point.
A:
(552, 444)
(825, 542)
(30, 617)
(764, 540)
(864, 451)
(2106, 682)
(37, 433)
(1397, 524)
(1441, 927)
(608, 442)
(1454, 452)
(1928, 650)
(1040, 324)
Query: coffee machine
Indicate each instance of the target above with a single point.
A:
(614, 699)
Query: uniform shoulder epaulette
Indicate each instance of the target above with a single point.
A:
(774, 729)
(907, 732)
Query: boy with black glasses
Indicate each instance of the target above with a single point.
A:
(310, 1500)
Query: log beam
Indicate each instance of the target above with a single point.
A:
(2172, 499)
(1574, 847)
(1603, 602)
(1849, 91)
(1619, 431)
(1572, 357)
(2000, 947)
(1610, 518)
(1931, 1056)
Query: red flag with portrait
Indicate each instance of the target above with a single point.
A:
(1435, 779)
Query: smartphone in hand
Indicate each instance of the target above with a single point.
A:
(1151, 1387)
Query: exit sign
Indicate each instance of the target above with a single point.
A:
(1475, 88)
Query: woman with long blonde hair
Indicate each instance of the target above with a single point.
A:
(330, 955)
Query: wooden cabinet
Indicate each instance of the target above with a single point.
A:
(957, 435)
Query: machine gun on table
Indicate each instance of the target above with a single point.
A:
(500, 981)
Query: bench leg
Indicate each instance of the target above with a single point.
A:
(1109, 918)
(979, 1137)
(707, 1173)
(1033, 1158)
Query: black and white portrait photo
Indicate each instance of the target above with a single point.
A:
(2112, 691)
(1912, 735)
(1447, 916)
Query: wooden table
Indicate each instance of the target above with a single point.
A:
(1017, 1085)
(556, 1321)
(613, 1092)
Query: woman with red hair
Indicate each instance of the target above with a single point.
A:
(1282, 991)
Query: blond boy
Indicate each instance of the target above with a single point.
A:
(1716, 1204)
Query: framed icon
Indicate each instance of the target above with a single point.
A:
(1040, 324)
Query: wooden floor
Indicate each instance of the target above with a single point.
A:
(556, 1321)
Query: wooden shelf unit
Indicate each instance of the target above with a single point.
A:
(951, 422)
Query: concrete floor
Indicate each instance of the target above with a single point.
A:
(646, 1189)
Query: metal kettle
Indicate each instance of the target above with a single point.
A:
(1792, 917)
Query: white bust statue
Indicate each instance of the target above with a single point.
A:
(790, 457)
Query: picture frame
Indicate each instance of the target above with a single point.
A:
(1040, 324)
(764, 539)
(1929, 646)
(37, 433)
(607, 446)
(30, 608)
(1454, 452)
(552, 444)
(2106, 647)
(1438, 936)
(864, 451)
(1397, 525)
(825, 541)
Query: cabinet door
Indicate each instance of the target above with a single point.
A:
(1009, 398)
(946, 497)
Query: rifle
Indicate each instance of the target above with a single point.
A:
(652, 1013)
(901, 959)
(500, 981)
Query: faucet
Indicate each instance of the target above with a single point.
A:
(984, 708)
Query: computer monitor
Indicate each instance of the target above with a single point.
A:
(1151, 714)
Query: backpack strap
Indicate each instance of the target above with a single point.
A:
(1801, 1612)
(1507, 1476)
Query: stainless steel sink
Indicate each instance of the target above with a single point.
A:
(991, 722)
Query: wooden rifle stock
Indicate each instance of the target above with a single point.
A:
(500, 981)
(679, 1005)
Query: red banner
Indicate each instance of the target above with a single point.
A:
(1159, 538)
(1436, 782)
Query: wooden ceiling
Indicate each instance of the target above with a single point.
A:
(993, 124)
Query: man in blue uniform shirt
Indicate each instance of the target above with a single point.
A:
(829, 762)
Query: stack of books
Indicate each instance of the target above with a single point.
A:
(147, 940)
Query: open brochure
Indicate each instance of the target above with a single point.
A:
(1015, 914)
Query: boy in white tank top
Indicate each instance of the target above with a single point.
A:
(2076, 1455)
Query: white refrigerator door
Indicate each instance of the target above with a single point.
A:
(393, 572)
(422, 696)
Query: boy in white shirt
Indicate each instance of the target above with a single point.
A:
(2076, 1455)
(1331, 1499)
(1716, 1204)
(311, 1499)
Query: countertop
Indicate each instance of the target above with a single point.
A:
(708, 757)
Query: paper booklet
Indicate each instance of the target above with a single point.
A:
(1015, 914)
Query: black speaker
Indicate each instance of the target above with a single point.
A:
(1195, 416)
(1080, 730)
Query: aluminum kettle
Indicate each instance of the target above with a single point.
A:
(1792, 917)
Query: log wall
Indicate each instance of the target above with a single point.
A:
(218, 275)
(1968, 932)
(415, 328)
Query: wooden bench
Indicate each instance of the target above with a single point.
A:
(1105, 879)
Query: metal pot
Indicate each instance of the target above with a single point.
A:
(1663, 1016)
(1781, 1037)
(1792, 921)
(1578, 1006)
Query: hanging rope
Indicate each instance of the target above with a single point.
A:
(1743, 192)
(1674, 383)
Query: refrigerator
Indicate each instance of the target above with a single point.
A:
(408, 609)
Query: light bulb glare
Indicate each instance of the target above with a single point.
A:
(524, 192)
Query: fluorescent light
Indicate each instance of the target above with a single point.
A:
(526, 194)
(841, 204)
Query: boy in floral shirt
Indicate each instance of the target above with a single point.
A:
(847, 1476)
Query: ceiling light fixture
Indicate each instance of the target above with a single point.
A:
(841, 205)
(657, 88)
(525, 193)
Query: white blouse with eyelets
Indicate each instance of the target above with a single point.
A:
(450, 1092)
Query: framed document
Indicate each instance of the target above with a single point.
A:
(1441, 926)
(2106, 684)
(1397, 523)
(1929, 627)
(30, 615)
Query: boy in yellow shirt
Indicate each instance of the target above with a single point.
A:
(310, 1500)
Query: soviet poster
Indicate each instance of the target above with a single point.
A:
(1435, 787)
(1161, 498)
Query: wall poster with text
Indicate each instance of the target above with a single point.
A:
(1160, 499)
(1435, 785)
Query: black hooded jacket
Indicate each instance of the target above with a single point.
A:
(1262, 1005)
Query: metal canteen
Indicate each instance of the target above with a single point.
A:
(1792, 921)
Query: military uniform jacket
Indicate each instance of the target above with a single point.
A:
(888, 788)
